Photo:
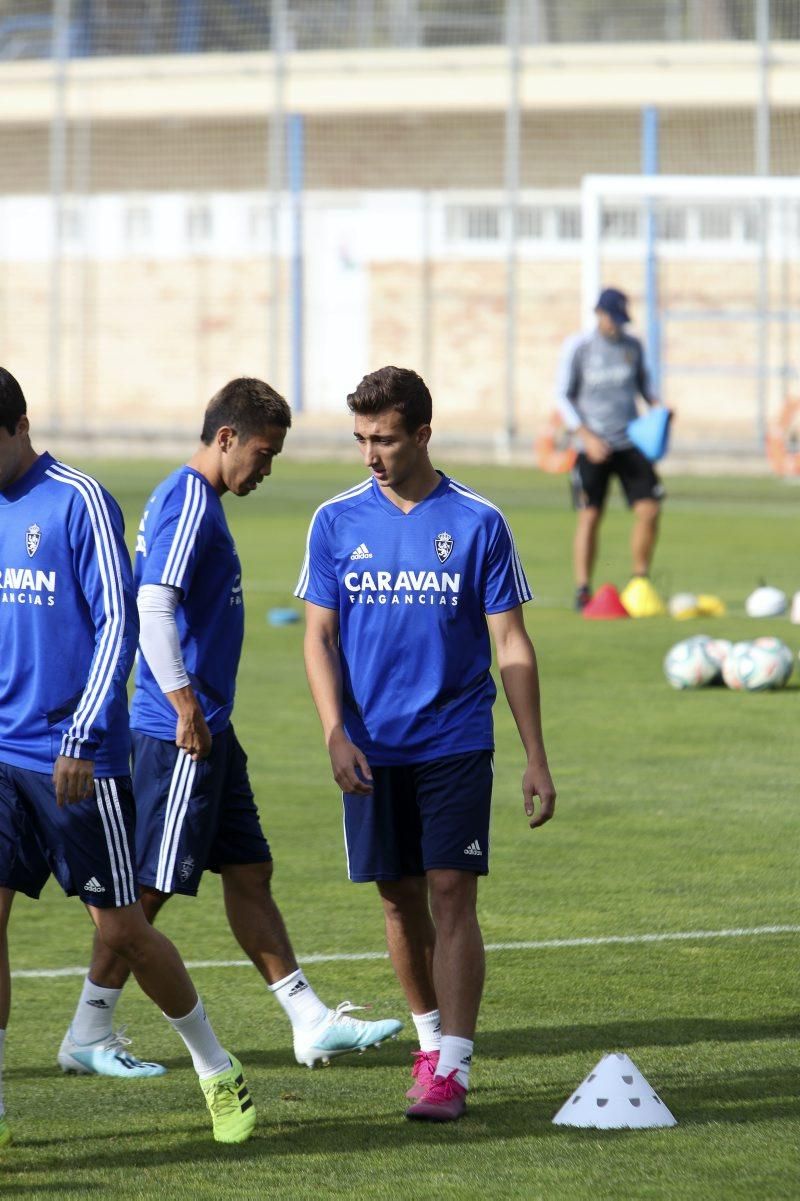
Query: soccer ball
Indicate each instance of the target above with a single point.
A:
(689, 665)
(784, 653)
(683, 605)
(766, 601)
(753, 668)
(718, 649)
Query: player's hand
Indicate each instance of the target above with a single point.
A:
(73, 780)
(597, 450)
(537, 781)
(350, 768)
(192, 734)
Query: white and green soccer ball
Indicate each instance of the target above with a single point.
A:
(785, 653)
(690, 663)
(751, 667)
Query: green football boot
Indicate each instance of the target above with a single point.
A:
(233, 1113)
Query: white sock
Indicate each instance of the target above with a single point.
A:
(202, 1044)
(94, 1016)
(298, 1000)
(2, 1051)
(456, 1055)
(429, 1030)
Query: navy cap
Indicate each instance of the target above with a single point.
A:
(615, 303)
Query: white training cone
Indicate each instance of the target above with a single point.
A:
(614, 1096)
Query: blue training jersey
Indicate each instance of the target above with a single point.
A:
(184, 542)
(412, 591)
(68, 622)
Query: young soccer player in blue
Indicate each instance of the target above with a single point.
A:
(195, 806)
(405, 577)
(68, 630)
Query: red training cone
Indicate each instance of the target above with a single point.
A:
(605, 605)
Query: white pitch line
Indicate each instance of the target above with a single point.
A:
(541, 945)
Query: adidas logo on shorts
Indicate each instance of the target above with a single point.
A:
(362, 552)
(93, 885)
(474, 848)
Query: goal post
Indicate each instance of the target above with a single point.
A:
(725, 314)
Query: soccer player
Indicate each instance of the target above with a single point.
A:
(606, 374)
(405, 576)
(195, 807)
(68, 629)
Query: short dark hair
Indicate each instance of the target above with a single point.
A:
(394, 388)
(247, 406)
(12, 402)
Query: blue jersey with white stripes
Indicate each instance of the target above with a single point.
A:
(184, 542)
(412, 591)
(68, 622)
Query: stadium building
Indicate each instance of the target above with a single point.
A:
(306, 191)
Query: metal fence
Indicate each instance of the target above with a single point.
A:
(305, 190)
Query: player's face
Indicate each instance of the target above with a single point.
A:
(13, 458)
(607, 325)
(392, 454)
(246, 464)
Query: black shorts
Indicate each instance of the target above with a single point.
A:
(635, 473)
(193, 816)
(421, 817)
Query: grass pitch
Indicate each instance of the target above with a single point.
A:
(677, 812)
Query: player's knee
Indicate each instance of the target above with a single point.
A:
(403, 899)
(126, 932)
(589, 519)
(247, 879)
(453, 894)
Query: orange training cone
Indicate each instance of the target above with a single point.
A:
(605, 605)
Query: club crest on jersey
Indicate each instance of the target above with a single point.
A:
(444, 546)
(33, 536)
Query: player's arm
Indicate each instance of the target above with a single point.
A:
(102, 566)
(323, 668)
(160, 643)
(516, 660)
(596, 448)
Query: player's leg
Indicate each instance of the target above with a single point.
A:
(242, 855)
(23, 868)
(91, 843)
(410, 939)
(91, 1045)
(6, 899)
(589, 489)
(644, 493)
(160, 973)
(646, 514)
(454, 798)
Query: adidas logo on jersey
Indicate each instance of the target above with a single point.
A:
(474, 848)
(93, 885)
(362, 552)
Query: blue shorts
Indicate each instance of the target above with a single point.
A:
(193, 816)
(88, 846)
(420, 817)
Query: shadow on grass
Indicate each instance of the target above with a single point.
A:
(723, 1097)
(623, 1035)
(521, 1041)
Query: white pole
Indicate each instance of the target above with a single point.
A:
(512, 183)
(58, 154)
(762, 156)
(275, 182)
